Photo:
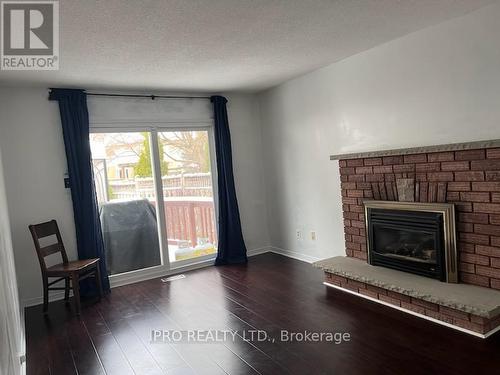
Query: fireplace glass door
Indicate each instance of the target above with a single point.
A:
(408, 241)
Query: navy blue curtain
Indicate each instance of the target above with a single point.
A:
(231, 248)
(75, 126)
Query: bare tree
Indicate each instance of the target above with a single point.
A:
(189, 148)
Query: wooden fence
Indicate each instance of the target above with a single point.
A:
(194, 185)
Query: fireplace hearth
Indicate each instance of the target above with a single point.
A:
(413, 237)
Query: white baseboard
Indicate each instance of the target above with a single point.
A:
(468, 331)
(54, 296)
(293, 254)
(258, 251)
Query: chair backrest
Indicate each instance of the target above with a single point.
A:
(42, 230)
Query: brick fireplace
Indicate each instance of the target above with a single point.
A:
(463, 177)
(470, 179)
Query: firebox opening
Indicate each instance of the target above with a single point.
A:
(412, 237)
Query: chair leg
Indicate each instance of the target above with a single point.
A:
(75, 279)
(98, 280)
(66, 289)
(45, 295)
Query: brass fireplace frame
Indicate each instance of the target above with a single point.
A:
(449, 229)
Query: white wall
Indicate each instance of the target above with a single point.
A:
(247, 146)
(438, 85)
(35, 163)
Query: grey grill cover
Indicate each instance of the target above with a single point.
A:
(130, 235)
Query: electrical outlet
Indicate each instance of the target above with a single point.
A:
(298, 235)
(313, 235)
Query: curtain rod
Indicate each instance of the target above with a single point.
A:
(152, 97)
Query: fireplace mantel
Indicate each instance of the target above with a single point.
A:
(418, 150)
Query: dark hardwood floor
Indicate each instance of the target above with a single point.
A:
(271, 293)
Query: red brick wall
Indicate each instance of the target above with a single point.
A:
(469, 179)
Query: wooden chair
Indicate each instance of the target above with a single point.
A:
(75, 270)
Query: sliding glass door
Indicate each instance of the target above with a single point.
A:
(155, 191)
(188, 194)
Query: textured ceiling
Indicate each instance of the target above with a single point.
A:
(222, 45)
